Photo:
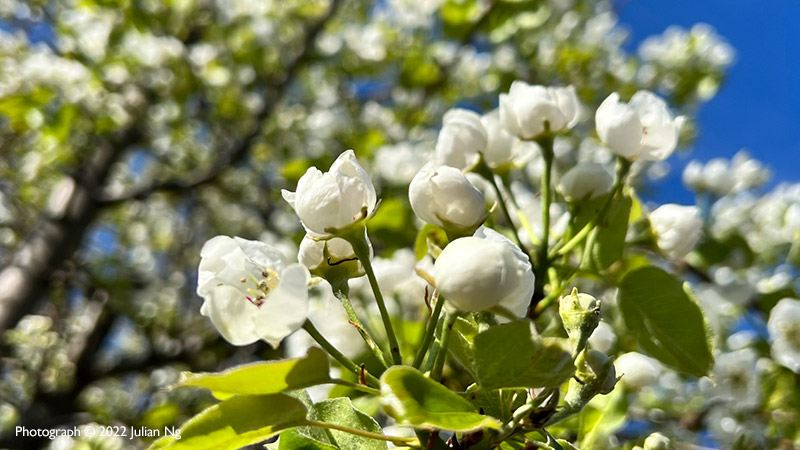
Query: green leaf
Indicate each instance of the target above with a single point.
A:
(604, 415)
(413, 399)
(264, 377)
(298, 439)
(339, 411)
(512, 356)
(500, 403)
(464, 332)
(342, 412)
(240, 421)
(609, 243)
(666, 320)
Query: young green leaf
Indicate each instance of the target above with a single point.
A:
(413, 399)
(666, 320)
(240, 421)
(264, 377)
(526, 360)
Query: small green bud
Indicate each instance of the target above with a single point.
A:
(658, 441)
(595, 374)
(580, 314)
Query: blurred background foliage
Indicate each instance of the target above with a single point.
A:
(133, 131)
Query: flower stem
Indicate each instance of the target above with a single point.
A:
(361, 248)
(482, 169)
(363, 433)
(523, 219)
(337, 355)
(341, 291)
(623, 167)
(546, 144)
(447, 327)
(429, 331)
(356, 386)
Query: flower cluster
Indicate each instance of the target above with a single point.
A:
(479, 218)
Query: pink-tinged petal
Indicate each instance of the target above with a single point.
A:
(286, 308)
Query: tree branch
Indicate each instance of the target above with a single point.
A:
(239, 150)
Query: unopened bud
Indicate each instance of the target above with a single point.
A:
(580, 314)
(658, 441)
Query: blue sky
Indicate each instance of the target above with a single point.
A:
(759, 106)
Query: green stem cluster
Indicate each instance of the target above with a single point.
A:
(341, 290)
(429, 332)
(346, 362)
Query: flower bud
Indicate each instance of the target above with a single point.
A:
(586, 180)
(642, 129)
(444, 197)
(333, 200)
(580, 314)
(595, 374)
(658, 441)
(461, 138)
(693, 176)
(332, 259)
(528, 111)
(478, 272)
(637, 370)
(503, 150)
(677, 229)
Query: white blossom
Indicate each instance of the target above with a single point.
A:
(784, 333)
(503, 149)
(333, 199)
(443, 196)
(637, 370)
(677, 228)
(642, 129)
(478, 272)
(461, 138)
(586, 179)
(526, 109)
(250, 291)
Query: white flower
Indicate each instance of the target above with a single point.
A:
(250, 292)
(748, 172)
(397, 164)
(677, 228)
(784, 333)
(693, 175)
(333, 199)
(312, 252)
(603, 338)
(525, 109)
(737, 378)
(637, 370)
(443, 196)
(478, 272)
(586, 179)
(503, 149)
(718, 176)
(642, 129)
(461, 138)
